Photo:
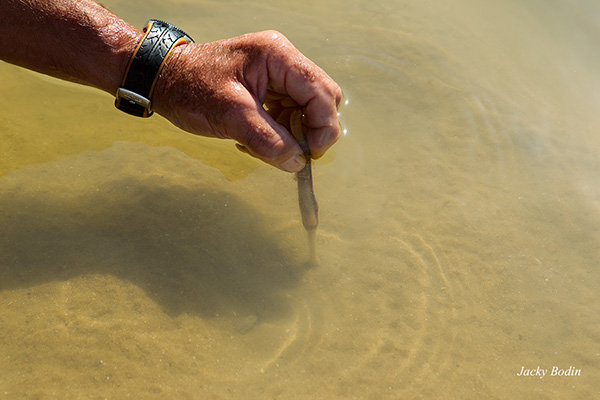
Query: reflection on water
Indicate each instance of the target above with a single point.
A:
(458, 241)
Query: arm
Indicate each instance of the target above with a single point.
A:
(214, 89)
(76, 40)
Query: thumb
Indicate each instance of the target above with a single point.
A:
(262, 137)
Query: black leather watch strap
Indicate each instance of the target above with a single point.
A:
(134, 95)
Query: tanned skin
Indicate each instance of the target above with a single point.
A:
(213, 89)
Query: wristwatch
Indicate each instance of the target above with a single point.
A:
(135, 94)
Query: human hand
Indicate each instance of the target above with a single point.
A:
(217, 89)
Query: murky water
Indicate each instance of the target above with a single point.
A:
(460, 219)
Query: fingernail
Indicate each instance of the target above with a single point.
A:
(327, 137)
(294, 163)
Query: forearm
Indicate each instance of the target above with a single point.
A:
(77, 40)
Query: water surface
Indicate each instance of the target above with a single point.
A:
(458, 237)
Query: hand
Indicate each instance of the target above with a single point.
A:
(218, 89)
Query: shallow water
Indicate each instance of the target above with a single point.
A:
(460, 219)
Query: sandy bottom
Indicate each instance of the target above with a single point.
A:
(124, 276)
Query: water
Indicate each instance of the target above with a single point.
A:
(458, 238)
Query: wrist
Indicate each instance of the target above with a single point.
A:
(122, 40)
(134, 95)
(165, 81)
(103, 45)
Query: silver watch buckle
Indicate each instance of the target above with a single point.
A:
(134, 98)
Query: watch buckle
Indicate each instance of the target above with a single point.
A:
(133, 98)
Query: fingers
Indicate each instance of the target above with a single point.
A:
(292, 74)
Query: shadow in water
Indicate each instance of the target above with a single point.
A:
(192, 246)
